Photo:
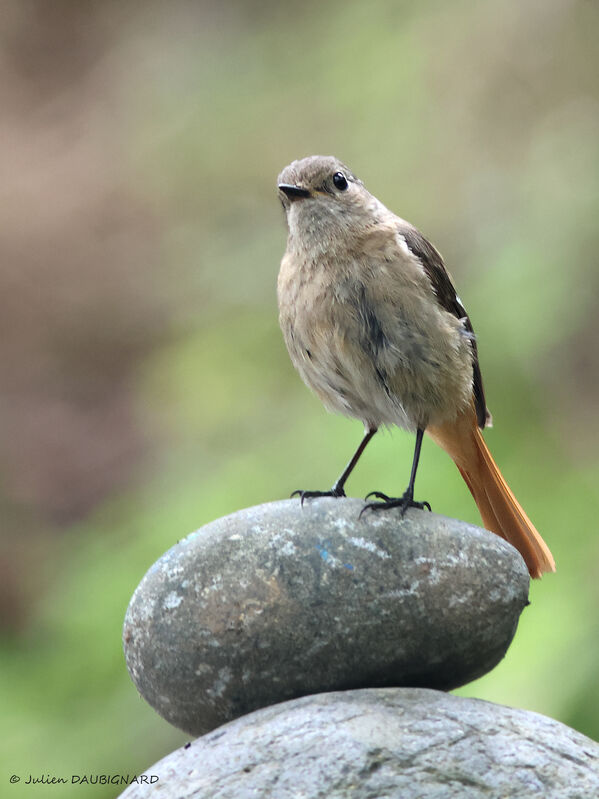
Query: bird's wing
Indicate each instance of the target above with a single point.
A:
(433, 265)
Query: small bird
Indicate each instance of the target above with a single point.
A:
(374, 326)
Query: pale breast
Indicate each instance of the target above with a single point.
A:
(371, 343)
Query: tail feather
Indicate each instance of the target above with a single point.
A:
(499, 509)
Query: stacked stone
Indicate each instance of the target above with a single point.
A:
(357, 625)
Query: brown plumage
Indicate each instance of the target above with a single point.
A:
(373, 324)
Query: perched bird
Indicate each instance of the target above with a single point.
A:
(375, 328)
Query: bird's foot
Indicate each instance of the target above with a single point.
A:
(404, 502)
(333, 492)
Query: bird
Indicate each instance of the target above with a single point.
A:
(374, 326)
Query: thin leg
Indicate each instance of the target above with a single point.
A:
(338, 488)
(407, 500)
(416, 458)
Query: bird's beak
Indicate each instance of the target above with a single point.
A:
(293, 192)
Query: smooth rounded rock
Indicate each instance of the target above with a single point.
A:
(279, 601)
(392, 742)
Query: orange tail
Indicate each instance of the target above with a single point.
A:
(500, 510)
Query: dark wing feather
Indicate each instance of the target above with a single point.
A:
(433, 265)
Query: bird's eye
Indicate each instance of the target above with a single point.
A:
(340, 181)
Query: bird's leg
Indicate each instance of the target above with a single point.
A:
(407, 500)
(338, 488)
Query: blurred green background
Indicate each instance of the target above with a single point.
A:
(146, 389)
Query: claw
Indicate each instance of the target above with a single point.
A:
(378, 495)
(403, 503)
(334, 492)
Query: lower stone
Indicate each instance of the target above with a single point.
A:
(394, 742)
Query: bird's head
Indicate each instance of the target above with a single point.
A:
(321, 197)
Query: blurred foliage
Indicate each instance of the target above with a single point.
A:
(146, 387)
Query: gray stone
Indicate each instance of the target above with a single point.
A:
(280, 601)
(375, 743)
